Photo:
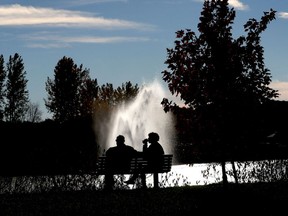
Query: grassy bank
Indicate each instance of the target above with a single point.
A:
(260, 198)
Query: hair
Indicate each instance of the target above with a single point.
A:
(154, 136)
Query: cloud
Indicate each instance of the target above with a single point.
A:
(55, 41)
(87, 2)
(17, 15)
(234, 3)
(283, 15)
(282, 88)
(48, 45)
(238, 5)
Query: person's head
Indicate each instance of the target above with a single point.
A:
(120, 140)
(153, 137)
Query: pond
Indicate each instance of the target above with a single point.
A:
(180, 175)
(185, 174)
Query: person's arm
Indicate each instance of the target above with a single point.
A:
(145, 145)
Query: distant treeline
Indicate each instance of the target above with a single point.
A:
(51, 148)
(47, 148)
(264, 136)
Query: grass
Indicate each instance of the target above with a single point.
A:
(243, 199)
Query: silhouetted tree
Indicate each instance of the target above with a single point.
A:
(17, 96)
(2, 85)
(113, 97)
(89, 91)
(33, 113)
(106, 94)
(69, 92)
(109, 99)
(220, 79)
(126, 92)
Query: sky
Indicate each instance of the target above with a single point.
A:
(122, 40)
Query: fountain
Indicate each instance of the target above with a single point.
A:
(141, 116)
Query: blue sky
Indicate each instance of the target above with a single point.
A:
(121, 40)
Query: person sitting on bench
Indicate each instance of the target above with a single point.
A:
(118, 158)
(153, 154)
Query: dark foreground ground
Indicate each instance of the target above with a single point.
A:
(245, 199)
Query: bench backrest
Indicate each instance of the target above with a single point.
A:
(135, 164)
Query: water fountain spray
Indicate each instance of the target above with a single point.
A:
(141, 116)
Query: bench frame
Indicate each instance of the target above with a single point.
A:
(136, 164)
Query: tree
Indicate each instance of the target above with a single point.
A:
(110, 99)
(220, 79)
(2, 82)
(114, 97)
(17, 95)
(126, 92)
(89, 91)
(33, 113)
(69, 92)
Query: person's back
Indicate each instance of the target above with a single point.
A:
(118, 158)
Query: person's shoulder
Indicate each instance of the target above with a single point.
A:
(110, 150)
(160, 147)
(130, 147)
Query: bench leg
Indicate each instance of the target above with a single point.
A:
(143, 180)
(156, 180)
(108, 181)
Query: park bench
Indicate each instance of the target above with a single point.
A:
(136, 164)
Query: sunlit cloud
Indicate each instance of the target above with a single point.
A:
(18, 15)
(283, 15)
(237, 4)
(282, 88)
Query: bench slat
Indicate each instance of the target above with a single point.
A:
(134, 164)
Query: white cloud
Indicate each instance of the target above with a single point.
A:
(234, 3)
(103, 39)
(17, 15)
(282, 88)
(283, 15)
(238, 5)
(56, 41)
(48, 45)
(86, 2)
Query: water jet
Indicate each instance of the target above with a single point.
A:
(141, 116)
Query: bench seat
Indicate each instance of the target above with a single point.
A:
(136, 164)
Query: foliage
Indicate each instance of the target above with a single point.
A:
(221, 80)
(116, 96)
(2, 82)
(74, 94)
(16, 90)
(33, 113)
(262, 171)
(80, 182)
(64, 148)
(71, 93)
(109, 99)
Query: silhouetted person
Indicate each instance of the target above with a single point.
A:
(153, 154)
(118, 158)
